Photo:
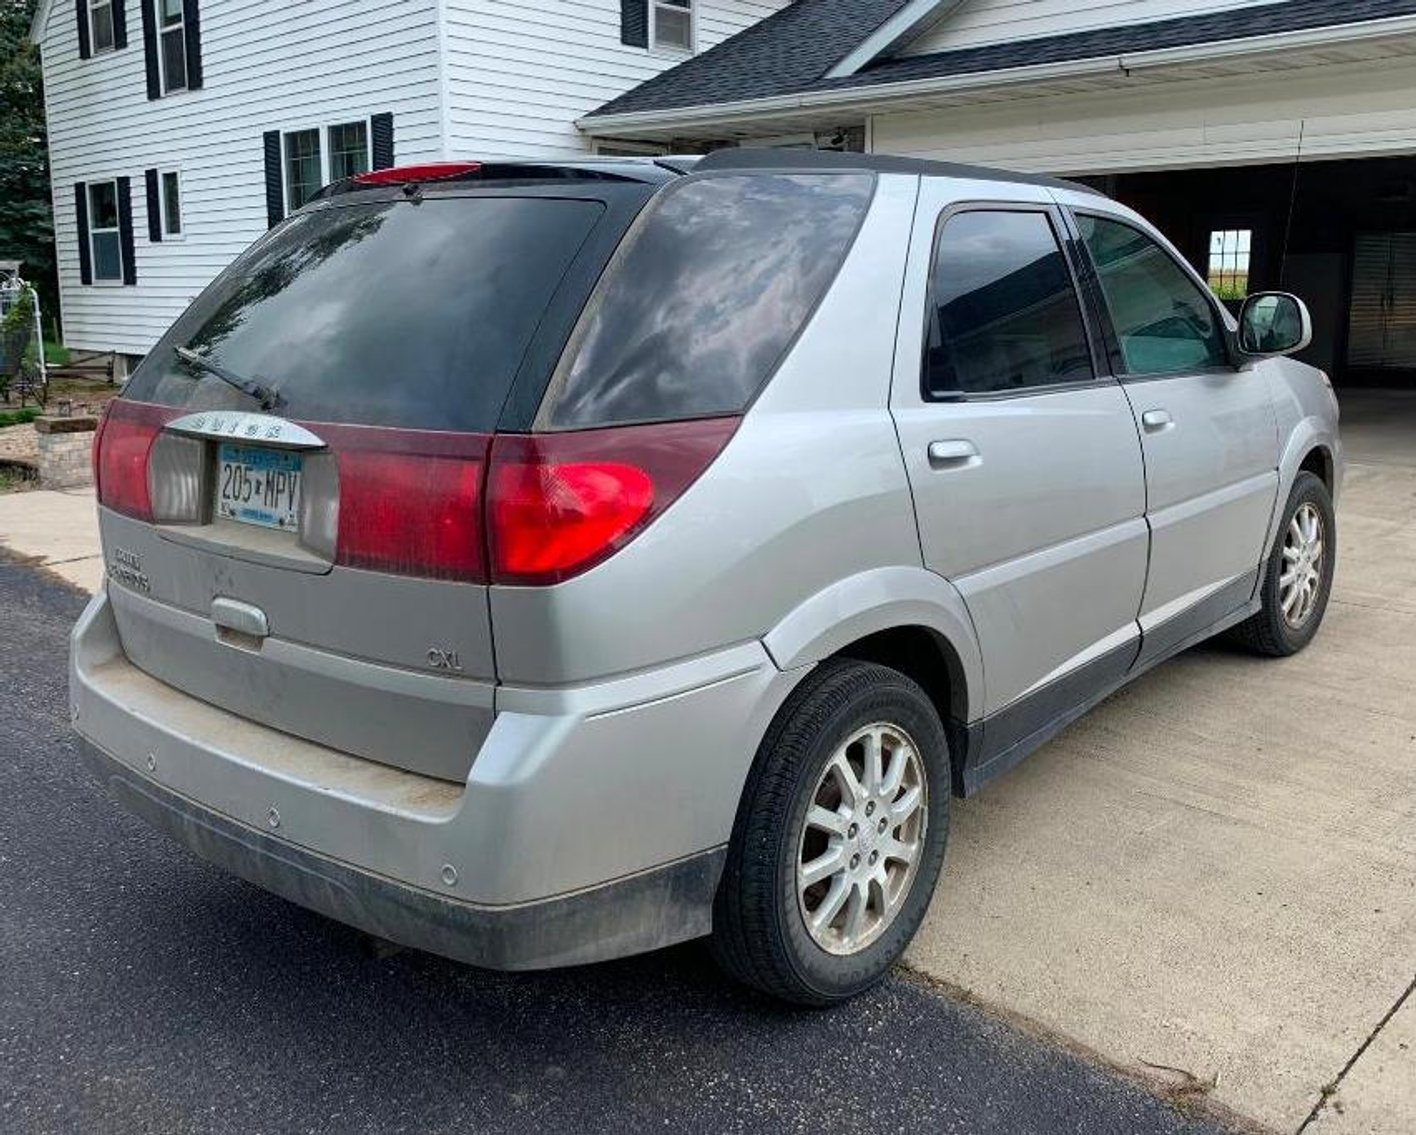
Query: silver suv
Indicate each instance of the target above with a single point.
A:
(537, 564)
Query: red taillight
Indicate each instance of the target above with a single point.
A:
(410, 501)
(560, 503)
(428, 171)
(120, 459)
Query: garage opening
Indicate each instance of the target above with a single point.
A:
(1341, 234)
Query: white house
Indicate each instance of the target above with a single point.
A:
(1275, 140)
(180, 129)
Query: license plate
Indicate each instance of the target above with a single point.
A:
(258, 486)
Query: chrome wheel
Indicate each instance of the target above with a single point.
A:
(1301, 579)
(863, 838)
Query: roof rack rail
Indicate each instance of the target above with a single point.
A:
(801, 159)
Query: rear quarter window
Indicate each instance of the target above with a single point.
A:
(707, 292)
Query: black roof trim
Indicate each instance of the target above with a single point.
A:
(745, 158)
(791, 52)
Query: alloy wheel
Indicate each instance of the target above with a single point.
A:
(862, 839)
(1301, 579)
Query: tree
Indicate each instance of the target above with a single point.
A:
(26, 223)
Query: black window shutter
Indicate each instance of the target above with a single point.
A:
(153, 208)
(150, 49)
(275, 191)
(192, 25)
(381, 130)
(120, 24)
(125, 230)
(85, 45)
(634, 23)
(81, 212)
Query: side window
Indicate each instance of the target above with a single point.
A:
(1164, 322)
(1003, 312)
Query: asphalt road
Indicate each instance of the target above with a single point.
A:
(141, 990)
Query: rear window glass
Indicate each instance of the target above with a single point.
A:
(709, 289)
(389, 313)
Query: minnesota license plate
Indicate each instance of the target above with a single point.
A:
(258, 486)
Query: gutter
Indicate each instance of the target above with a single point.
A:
(884, 94)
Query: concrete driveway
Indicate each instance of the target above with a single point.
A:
(1211, 879)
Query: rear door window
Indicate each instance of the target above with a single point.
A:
(389, 313)
(1004, 313)
(706, 294)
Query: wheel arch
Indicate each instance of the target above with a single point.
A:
(1313, 447)
(908, 618)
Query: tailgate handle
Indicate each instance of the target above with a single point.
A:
(242, 618)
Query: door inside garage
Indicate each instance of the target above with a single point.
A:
(1341, 234)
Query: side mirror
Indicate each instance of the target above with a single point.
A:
(1274, 323)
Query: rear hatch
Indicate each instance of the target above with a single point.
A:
(290, 484)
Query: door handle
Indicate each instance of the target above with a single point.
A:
(953, 453)
(1157, 421)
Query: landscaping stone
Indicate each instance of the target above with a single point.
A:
(65, 448)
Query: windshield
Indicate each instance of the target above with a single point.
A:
(390, 313)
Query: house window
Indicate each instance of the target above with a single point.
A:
(170, 199)
(673, 24)
(105, 244)
(101, 25)
(304, 171)
(172, 45)
(348, 150)
(323, 154)
(1229, 262)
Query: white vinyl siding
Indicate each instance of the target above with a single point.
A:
(519, 74)
(1338, 110)
(266, 67)
(979, 22)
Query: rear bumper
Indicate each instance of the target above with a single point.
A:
(591, 825)
(648, 910)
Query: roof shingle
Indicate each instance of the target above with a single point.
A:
(792, 51)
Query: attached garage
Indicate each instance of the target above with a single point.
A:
(1275, 143)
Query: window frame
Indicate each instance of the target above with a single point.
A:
(328, 150)
(163, 30)
(163, 219)
(670, 49)
(95, 230)
(322, 131)
(94, 49)
(1062, 234)
(1113, 354)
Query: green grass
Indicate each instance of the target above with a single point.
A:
(55, 354)
(19, 417)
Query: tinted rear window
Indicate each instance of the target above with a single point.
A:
(707, 292)
(387, 313)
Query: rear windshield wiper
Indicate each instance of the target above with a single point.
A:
(267, 396)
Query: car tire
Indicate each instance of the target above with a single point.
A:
(843, 711)
(1274, 630)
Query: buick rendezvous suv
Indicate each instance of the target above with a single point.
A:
(541, 563)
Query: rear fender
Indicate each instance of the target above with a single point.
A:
(880, 600)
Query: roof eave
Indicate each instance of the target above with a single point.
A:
(893, 32)
(872, 95)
